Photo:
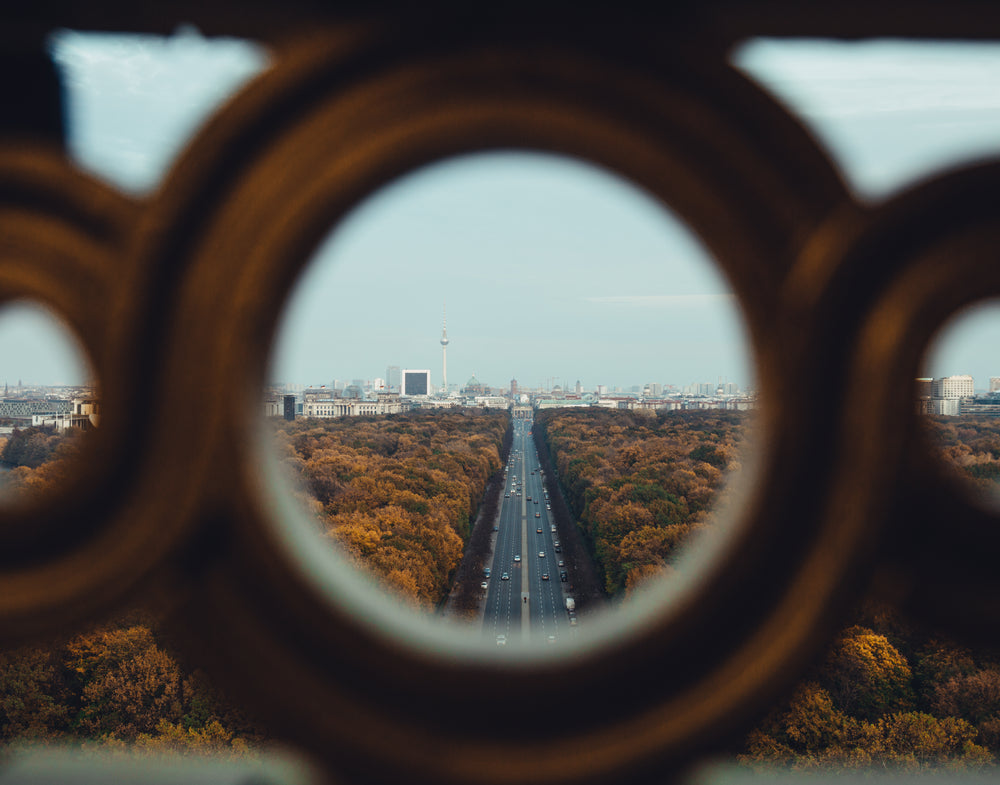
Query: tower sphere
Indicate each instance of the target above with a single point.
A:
(444, 340)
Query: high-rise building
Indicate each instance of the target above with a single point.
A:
(513, 388)
(416, 383)
(579, 387)
(994, 384)
(392, 378)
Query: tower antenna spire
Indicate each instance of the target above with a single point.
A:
(444, 348)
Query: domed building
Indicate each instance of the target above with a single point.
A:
(474, 387)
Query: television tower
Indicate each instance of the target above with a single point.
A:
(444, 349)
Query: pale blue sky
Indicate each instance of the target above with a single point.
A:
(550, 269)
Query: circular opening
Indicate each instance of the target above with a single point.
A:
(49, 402)
(960, 396)
(511, 388)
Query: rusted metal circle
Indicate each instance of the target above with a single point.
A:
(919, 260)
(61, 241)
(232, 228)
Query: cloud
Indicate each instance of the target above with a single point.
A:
(664, 300)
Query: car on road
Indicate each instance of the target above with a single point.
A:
(529, 498)
(486, 571)
(501, 640)
(484, 585)
(541, 554)
(556, 543)
(517, 557)
(505, 577)
(558, 549)
(563, 576)
(548, 506)
(536, 501)
(538, 530)
(538, 515)
(496, 528)
(545, 576)
(562, 563)
(506, 495)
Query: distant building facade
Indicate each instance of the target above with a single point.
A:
(393, 379)
(953, 387)
(415, 383)
(385, 403)
(492, 401)
(988, 406)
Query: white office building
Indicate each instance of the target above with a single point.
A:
(953, 387)
(415, 383)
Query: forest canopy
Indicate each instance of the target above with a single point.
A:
(887, 694)
(398, 493)
(641, 485)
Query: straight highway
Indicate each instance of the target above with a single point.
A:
(524, 599)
